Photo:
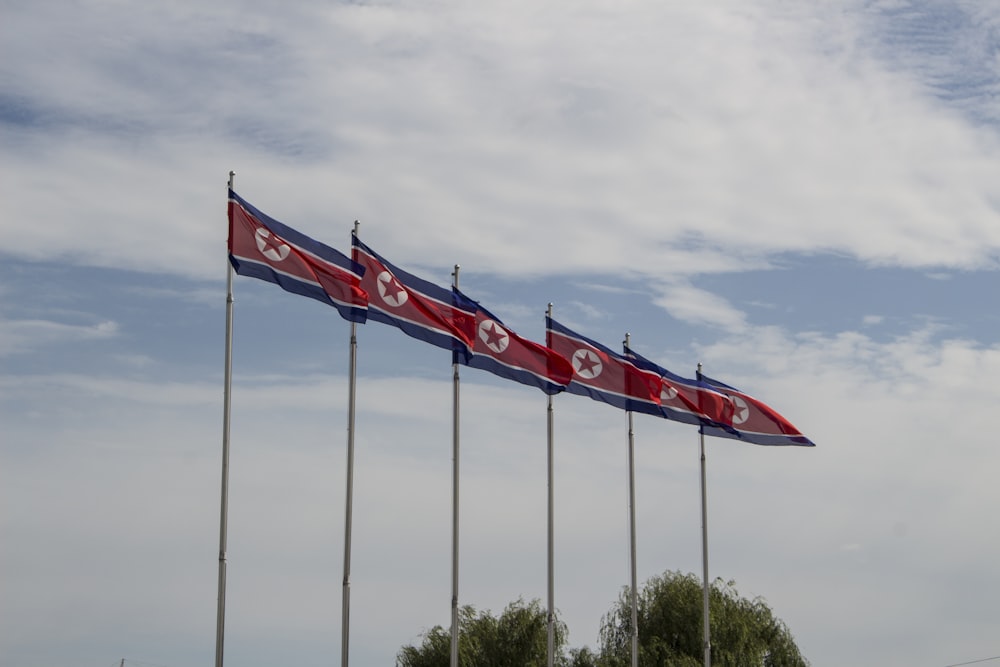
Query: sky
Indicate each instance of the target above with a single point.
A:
(802, 197)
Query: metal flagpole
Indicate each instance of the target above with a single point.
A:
(551, 531)
(345, 613)
(220, 622)
(454, 504)
(631, 512)
(706, 637)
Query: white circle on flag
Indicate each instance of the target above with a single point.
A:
(493, 335)
(391, 291)
(667, 393)
(271, 246)
(587, 364)
(742, 412)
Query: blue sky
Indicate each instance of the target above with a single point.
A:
(802, 198)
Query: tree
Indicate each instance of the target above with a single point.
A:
(744, 633)
(583, 657)
(518, 637)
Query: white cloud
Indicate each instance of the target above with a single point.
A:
(21, 336)
(577, 140)
(691, 304)
(474, 135)
(890, 482)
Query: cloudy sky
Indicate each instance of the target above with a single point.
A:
(801, 196)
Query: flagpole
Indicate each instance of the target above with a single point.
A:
(345, 613)
(632, 559)
(551, 529)
(454, 496)
(706, 637)
(220, 621)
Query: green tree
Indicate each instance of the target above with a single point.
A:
(519, 636)
(583, 657)
(744, 633)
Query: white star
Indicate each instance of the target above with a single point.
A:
(667, 393)
(493, 335)
(587, 364)
(391, 291)
(742, 412)
(271, 246)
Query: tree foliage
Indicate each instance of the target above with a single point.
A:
(519, 636)
(744, 633)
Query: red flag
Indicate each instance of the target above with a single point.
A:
(755, 421)
(603, 375)
(419, 308)
(262, 247)
(499, 350)
(686, 400)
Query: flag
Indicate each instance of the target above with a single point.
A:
(262, 247)
(420, 309)
(686, 400)
(603, 375)
(754, 421)
(502, 352)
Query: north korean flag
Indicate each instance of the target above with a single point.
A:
(602, 374)
(754, 421)
(419, 308)
(686, 400)
(262, 247)
(499, 350)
